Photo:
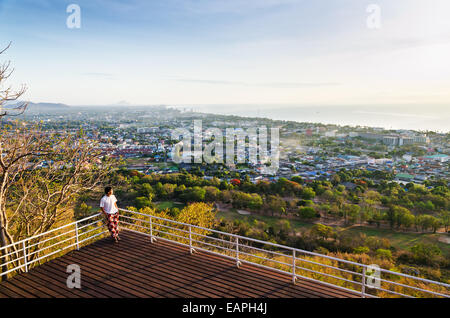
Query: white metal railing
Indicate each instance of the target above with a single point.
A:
(356, 277)
(21, 255)
(335, 272)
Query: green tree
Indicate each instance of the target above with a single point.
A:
(445, 219)
(307, 212)
(142, 202)
(398, 216)
(307, 193)
(276, 204)
(425, 253)
(194, 194)
(384, 254)
(212, 194)
(426, 222)
(323, 231)
(351, 212)
(145, 190)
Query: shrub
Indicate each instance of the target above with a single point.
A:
(361, 250)
(384, 254)
(427, 254)
(308, 213)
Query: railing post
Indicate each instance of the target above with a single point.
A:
(152, 239)
(294, 276)
(76, 235)
(191, 250)
(238, 263)
(25, 261)
(363, 286)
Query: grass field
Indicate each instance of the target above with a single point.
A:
(401, 240)
(169, 205)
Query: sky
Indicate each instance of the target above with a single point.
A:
(186, 52)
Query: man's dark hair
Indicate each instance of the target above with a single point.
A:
(107, 189)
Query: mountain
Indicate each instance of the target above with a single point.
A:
(54, 106)
(38, 107)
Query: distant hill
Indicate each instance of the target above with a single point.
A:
(33, 107)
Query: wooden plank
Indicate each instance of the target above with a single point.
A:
(117, 287)
(196, 263)
(276, 275)
(56, 278)
(6, 293)
(186, 256)
(19, 291)
(43, 285)
(267, 274)
(253, 268)
(145, 265)
(58, 271)
(28, 285)
(133, 275)
(136, 268)
(96, 263)
(112, 281)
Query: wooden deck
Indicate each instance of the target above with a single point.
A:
(135, 268)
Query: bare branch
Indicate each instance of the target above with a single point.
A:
(7, 47)
(7, 95)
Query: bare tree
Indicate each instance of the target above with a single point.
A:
(7, 94)
(41, 174)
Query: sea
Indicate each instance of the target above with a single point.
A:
(396, 117)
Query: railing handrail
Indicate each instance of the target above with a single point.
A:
(22, 254)
(290, 248)
(50, 231)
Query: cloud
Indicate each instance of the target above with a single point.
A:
(99, 74)
(298, 85)
(263, 84)
(213, 82)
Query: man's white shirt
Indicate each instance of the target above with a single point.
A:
(107, 203)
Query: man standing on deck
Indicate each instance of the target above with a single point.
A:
(108, 204)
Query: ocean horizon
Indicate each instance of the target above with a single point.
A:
(411, 117)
